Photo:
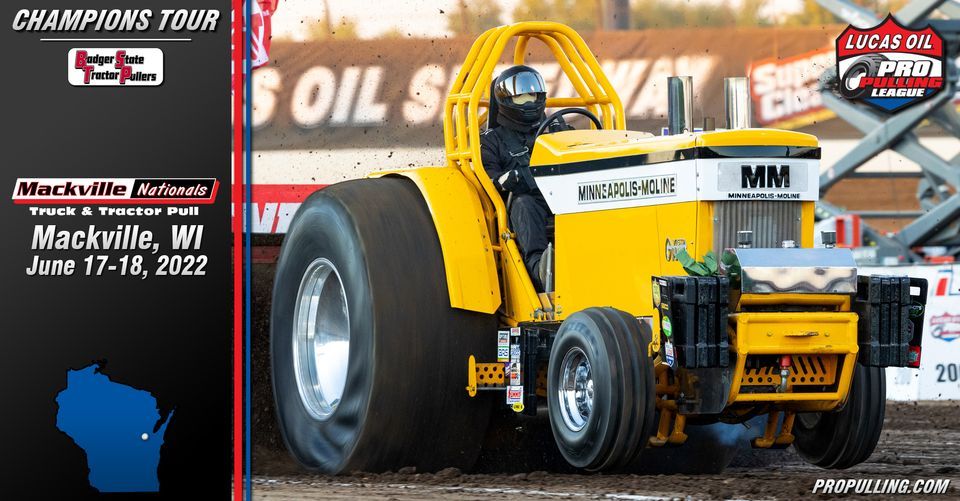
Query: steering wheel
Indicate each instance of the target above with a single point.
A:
(568, 111)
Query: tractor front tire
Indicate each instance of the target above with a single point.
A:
(601, 389)
(368, 358)
(845, 438)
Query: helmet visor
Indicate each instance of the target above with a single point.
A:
(525, 82)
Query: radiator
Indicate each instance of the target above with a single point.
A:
(771, 222)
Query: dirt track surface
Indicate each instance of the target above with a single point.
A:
(919, 441)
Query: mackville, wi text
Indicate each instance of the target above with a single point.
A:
(123, 237)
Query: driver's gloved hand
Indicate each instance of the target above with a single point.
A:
(512, 181)
(557, 125)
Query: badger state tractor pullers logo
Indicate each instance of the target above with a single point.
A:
(115, 67)
(889, 66)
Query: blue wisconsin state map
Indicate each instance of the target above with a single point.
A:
(114, 425)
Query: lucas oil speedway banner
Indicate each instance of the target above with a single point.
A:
(115, 271)
(366, 94)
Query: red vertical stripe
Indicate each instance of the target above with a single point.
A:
(237, 198)
(941, 287)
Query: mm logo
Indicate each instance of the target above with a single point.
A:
(764, 176)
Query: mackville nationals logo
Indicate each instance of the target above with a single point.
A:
(890, 66)
(945, 327)
(115, 67)
(145, 191)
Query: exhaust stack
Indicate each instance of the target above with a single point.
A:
(679, 104)
(736, 100)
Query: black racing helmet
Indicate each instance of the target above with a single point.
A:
(511, 90)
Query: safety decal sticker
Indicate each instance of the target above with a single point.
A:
(503, 346)
(514, 369)
(515, 373)
(514, 395)
(669, 357)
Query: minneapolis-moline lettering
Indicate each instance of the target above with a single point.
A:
(628, 189)
(763, 196)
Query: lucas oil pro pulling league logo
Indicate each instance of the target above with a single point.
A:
(890, 66)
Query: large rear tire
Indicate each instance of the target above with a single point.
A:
(601, 389)
(369, 360)
(845, 438)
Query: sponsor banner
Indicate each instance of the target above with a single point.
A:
(130, 67)
(146, 191)
(373, 93)
(334, 95)
(786, 91)
(274, 205)
(939, 375)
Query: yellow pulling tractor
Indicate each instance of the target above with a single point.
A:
(685, 290)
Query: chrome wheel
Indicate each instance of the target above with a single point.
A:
(575, 389)
(321, 339)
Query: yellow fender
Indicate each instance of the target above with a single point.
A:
(468, 255)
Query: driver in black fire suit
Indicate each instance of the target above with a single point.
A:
(505, 147)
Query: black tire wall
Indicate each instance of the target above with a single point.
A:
(847, 437)
(404, 402)
(623, 416)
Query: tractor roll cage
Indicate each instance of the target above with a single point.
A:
(470, 92)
